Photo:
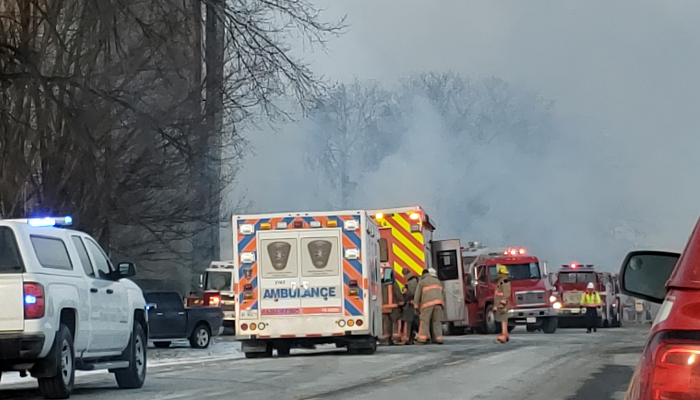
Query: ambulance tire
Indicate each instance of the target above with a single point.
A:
(264, 354)
(283, 349)
(371, 349)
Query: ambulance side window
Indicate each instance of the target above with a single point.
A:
(383, 250)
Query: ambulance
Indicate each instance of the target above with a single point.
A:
(303, 279)
(406, 240)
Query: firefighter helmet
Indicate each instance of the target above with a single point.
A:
(502, 269)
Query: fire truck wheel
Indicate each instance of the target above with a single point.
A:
(549, 325)
(490, 325)
(531, 328)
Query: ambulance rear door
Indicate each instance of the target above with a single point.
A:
(321, 272)
(448, 263)
(280, 273)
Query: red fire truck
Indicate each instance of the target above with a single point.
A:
(570, 283)
(216, 290)
(469, 277)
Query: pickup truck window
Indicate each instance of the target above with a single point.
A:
(10, 261)
(101, 263)
(82, 253)
(51, 252)
(165, 301)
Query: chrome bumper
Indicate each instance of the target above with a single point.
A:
(573, 312)
(534, 312)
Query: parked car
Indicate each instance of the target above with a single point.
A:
(170, 320)
(670, 364)
(64, 306)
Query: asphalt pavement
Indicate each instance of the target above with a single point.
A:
(567, 365)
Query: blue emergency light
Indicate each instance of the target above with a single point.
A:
(50, 221)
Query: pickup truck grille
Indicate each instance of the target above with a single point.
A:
(535, 298)
(572, 298)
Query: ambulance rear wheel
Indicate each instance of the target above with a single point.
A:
(283, 349)
(371, 349)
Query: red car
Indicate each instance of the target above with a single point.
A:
(669, 368)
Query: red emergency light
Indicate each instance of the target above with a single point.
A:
(515, 252)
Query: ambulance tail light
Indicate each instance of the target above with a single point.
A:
(247, 286)
(359, 322)
(351, 322)
(244, 327)
(671, 368)
(352, 283)
(34, 306)
(354, 292)
(248, 296)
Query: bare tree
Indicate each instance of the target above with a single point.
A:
(353, 128)
(103, 110)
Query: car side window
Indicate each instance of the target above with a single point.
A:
(51, 252)
(102, 265)
(83, 255)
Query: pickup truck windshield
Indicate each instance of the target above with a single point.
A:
(219, 281)
(577, 277)
(10, 261)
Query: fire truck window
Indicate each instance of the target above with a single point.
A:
(278, 258)
(493, 274)
(447, 268)
(383, 250)
(219, 281)
(482, 274)
(320, 257)
(517, 272)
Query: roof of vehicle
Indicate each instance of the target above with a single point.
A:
(686, 275)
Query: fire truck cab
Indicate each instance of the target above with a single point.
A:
(216, 289)
(470, 284)
(570, 283)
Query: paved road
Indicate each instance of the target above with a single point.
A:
(569, 365)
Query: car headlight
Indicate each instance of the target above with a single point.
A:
(552, 298)
(557, 305)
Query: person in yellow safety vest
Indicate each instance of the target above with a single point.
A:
(391, 311)
(502, 302)
(590, 300)
(429, 301)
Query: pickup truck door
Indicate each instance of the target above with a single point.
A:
(168, 318)
(108, 303)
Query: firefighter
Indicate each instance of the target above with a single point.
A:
(392, 312)
(429, 300)
(409, 311)
(502, 301)
(590, 300)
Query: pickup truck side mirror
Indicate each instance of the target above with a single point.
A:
(126, 269)
(644, 274)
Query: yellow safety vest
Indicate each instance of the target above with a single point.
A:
(592, 299)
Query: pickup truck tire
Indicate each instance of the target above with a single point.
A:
(134, 376)
(60, 386)
(162, 345)
(201, 337)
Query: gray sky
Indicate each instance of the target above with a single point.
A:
(623, 74)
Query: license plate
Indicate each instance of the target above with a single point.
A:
(531, 320)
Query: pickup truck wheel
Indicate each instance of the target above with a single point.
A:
(134, 376)
(162, 345)
(60, 386)
(201, 337)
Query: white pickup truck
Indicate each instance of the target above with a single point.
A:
(65, 307)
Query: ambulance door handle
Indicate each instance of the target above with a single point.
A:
(294, 285)
(374, 297)
(306, 285)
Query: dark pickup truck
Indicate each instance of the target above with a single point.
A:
(169, 319)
